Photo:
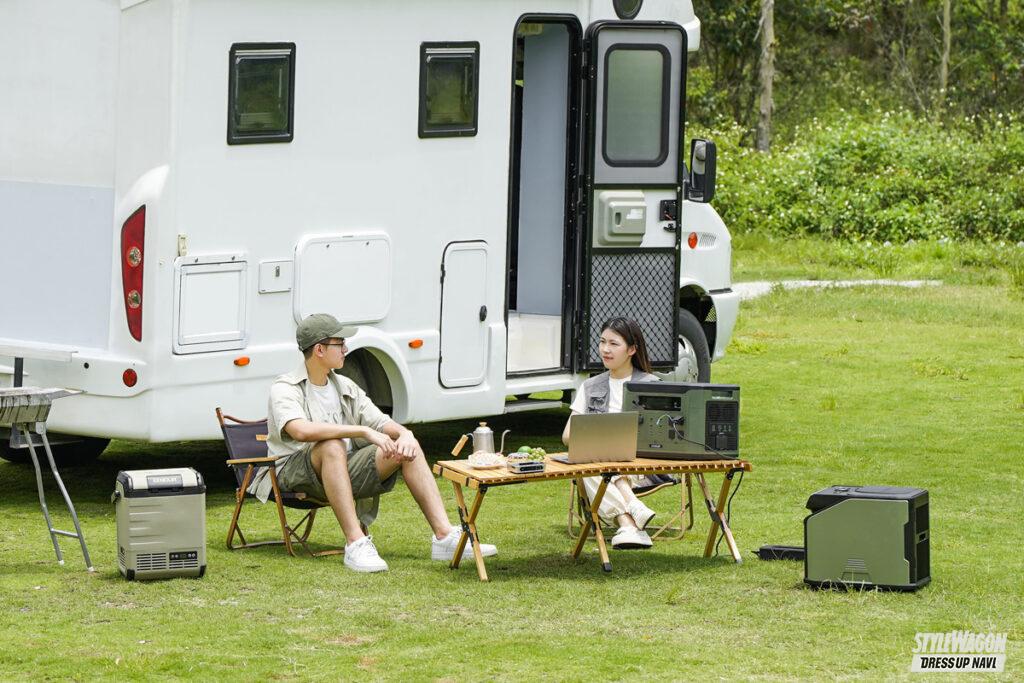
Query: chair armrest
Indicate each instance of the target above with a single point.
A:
(251, 461)
(647, 490)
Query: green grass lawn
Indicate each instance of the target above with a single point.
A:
(763, 257)
(863, 386)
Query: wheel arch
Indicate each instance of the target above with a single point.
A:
(374, 368)
(697, 301)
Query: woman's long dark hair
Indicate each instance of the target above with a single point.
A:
(628, 329)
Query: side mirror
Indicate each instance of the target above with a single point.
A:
(700, 186)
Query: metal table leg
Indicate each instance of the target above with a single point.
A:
(54, 533)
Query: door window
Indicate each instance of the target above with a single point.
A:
(636, 105)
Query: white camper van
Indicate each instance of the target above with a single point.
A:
(477, 185)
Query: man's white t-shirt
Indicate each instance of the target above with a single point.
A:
(615, 387)
(330, 403)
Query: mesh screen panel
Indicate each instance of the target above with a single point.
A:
(641, 285)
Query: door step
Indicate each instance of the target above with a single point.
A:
(525, 404)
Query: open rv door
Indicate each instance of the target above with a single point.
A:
(632, 185)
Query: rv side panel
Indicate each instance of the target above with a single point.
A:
(57, 127)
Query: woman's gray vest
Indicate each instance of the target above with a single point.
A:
(595, 390)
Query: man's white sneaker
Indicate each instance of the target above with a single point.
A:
(361, 556)
(628, 538)
(444, 548)
(641, 514)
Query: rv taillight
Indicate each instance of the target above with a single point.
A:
(692, 240)
(133, 239)
(129, 377)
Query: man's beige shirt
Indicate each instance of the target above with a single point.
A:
(290, 399)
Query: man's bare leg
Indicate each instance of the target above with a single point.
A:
(423, 487)
(330, 462)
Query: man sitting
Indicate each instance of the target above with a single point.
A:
(334, 444)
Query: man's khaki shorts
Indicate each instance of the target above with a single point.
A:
(297, 474)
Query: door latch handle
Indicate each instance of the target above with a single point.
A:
(483, 313)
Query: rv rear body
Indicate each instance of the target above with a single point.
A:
(475, 185)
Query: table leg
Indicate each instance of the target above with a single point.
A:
(42, 495)
(468, 520)
(584, 504)
(717, 518)
(54, 533)
(592, 520)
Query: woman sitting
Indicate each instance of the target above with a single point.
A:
(624, 354)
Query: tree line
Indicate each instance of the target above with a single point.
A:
(770, 66)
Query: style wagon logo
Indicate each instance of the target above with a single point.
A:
(959, 651)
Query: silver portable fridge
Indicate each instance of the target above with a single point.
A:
(161, 523)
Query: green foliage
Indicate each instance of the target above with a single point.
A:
(858, 55)
(891, 178)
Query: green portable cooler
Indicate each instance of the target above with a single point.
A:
(161, 523)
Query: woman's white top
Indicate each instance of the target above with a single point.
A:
(615, 387)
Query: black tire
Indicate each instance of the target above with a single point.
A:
(692, 334)
(65, 454)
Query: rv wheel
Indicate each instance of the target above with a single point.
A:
(76, 453)
(694, 358)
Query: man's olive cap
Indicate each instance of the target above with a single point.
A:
(318, 327)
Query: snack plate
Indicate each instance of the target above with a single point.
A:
(484, 461)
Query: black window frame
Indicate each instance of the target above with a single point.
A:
(666, 86)
(234, 137)
(624, 13)
(472, 49)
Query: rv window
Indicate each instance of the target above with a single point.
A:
(636, 90)
(261, 93)
(449, 76)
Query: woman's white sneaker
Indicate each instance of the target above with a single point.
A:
(629, 538)
(361, 556)
(444, 548)
(641, 514)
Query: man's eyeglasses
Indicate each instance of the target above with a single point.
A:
(342, 344)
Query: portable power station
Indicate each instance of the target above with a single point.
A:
(867, 537)
(161, 523)
(684, 420)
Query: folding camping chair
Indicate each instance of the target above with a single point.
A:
(246, 442)
(671, 530)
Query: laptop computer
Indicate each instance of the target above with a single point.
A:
(601, 437)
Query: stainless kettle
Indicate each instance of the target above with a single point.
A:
(483, 439)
